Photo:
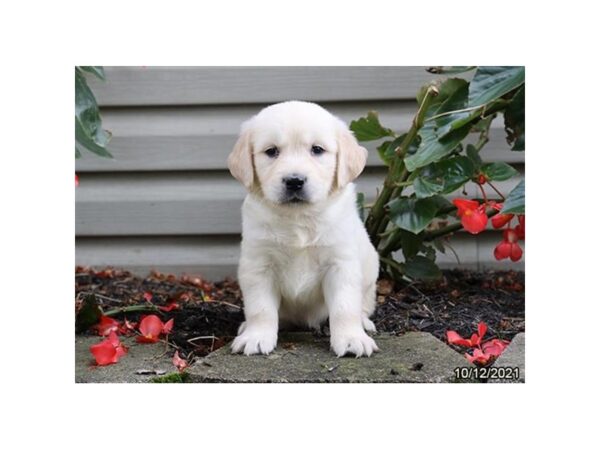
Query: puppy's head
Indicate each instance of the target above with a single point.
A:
(296, 153)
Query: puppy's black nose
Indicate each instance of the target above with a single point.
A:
(294, 182)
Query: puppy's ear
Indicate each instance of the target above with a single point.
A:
(352, 158)
(240, 160)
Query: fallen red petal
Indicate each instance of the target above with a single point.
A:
(481, 329)
(478, 357)
(106, 325)
(495, 347)
(150, 327)
(109, 350)
(454, 338)
(167, 327)
(149, 339)
(169, 307)
(178, 362)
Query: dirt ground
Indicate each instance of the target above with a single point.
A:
(207, 314)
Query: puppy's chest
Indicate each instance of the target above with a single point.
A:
(299, 272)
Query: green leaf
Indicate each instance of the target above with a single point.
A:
(437, 138)
(455, 102)
(88, 315)
(498, 171)
(88, 125)
(360, 204)
(473, 155)
(514, 121)
(387, 150)
(77, 152)
(515, 202)
(455, 172)
(422, 268)
(492, 82)
(410, 243)
(413, 214)
(450, 174)
(85, 141)
(426, 187)
(369, 129)
(433, 149)
(428, 251)
(95, 70)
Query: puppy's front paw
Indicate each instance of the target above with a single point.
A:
(368, 325)
(254, 341)
(358, 343)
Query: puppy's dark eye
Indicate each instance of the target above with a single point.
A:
(317, 150)
(272, 152)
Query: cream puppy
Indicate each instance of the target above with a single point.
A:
(305, 254)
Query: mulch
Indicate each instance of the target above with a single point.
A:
(209, 313)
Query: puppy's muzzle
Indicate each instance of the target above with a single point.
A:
(294, 188)
(294, 183)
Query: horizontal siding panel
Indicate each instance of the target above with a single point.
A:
(130, 86)
(200, 138)
(212, 257)
(180, 203)
(215, 257)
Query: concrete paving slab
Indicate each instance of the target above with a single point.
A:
(305, 358)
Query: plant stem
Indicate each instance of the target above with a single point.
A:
(377, 219)
(134, 308)
(390, 262)
(485, 200)
(497, 191)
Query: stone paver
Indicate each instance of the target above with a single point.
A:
(513, 356)
(141, 357)
(299, 358)
(305, 358)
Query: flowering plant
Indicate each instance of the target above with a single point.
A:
(435, 158)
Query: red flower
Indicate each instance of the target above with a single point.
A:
(520, 229)
(499, 220)
(76, 180)
(178, 362)
(478, 357)
(484, 352)
(495, 347)
(509, 247)
(152, 327)
(456, 339)
(106, 325)
(109, 350)
(472, 215)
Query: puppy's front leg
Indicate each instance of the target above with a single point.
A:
(343, 296)
(258, 334)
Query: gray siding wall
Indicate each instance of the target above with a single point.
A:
(167, 202)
